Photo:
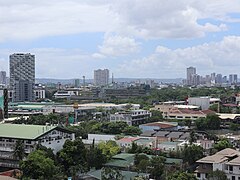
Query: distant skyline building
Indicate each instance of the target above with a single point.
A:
(219, 79)
(101, 77)
(190, 72)
(233, 78)
(22, 76)
(3, 77)
(77, 83)
(213, 78)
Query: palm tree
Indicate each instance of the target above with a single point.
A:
(19, 151)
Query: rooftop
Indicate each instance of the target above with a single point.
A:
(162, 133)
(128, 139)
(228, 152)
(228, 116)
(235, 161)
(220, 156)
(170, 143)
(128, 175)
(21, 131)
(162, 125)
(175, 134)
(148, 133)
(213, 159)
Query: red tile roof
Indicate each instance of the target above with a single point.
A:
(128, 139)
(162, 125)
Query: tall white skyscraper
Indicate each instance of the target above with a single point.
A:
(22, 76)
(190, 72)
(101, 77)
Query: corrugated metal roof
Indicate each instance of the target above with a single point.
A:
(21, 131)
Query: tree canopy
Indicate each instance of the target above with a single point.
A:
(211, 122)
(38, 166)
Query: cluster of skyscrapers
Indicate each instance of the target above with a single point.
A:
(194, 79)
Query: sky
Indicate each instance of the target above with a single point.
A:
(131, 38)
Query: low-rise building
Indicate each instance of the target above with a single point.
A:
(132, 117)
(226, 160)
(127, 142)
(97, 138)
(182, 111)
(159, 126)
(30, 136)
(168, 146)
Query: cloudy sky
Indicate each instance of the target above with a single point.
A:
(132, 38)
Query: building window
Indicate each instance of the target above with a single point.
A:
(198, 175)
(233, 178)
(230, 168)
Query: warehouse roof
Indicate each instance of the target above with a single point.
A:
(22, 131)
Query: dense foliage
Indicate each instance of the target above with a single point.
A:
(191, 154)
(38, 166)
(42, 119)
(96, 127)
(222, 144)
(217, 175)
(182, 176)
(211, 122)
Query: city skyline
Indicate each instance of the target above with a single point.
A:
(160, 43)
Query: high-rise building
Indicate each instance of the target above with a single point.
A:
(233, 78)
(190, 72)
(224, 79)
(219, 79)
(77, 83)
(101, 77)
(22, 76)
(213, 78)
(3, 77)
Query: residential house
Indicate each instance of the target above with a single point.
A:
(226, 160)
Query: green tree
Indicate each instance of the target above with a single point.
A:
(222, 144)
(157, 167)
(19, 151)
(181, 176)
(73, 157)
(95, 158)
(217, 175)
(233, 126)
(48, 151)
(193, 137)
(38, 166)
(156, 116)
(191, 154)
(141, 161)
(211, 122)
(139, 157)
(111, 173)
(109, 148)
(132, 130)
(214, 121)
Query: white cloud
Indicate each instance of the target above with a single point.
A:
(118, 46)
(219, 57)
(24, 19)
